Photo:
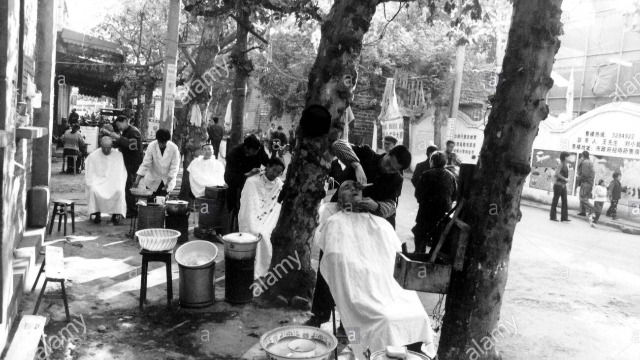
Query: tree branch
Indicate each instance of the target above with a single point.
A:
(249, 28)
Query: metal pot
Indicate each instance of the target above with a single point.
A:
(177, 207)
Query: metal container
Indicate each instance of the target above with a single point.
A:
(239, 264)
(212, 213)
(179, 223)
(177, 207)
(215, 192)
(240, 246)
(295, 342)
(150, 216)
(196, 262)
(382, 355)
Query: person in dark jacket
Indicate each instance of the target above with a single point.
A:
(216, 132)
(129, 142)
(243, 161)
(435, 193)
(614, 192)
(560, 189)
(421, 167)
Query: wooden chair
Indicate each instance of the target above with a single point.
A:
(54, 272)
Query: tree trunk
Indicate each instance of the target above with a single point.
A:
(331, 84)
(243, 67)
(190, 138)
(148, 103)
(438, 118)
(471, 323)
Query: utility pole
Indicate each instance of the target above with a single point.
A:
(170, 67)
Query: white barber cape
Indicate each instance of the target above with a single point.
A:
(157, 167)
(259, 212)
(203, 173)
(106, 178)
(358, 262)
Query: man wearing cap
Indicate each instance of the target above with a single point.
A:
(389, 142)
(129, 143)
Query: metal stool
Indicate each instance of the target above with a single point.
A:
(157, 256)
(60, 209)
(75, 163)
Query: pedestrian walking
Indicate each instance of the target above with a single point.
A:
(614, 192)
(216, 132)
(560, 189)
(586, 176)
(599, 197)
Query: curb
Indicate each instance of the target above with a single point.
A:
(625, 228)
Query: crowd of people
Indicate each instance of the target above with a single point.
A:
(370, 185)
(585, 181)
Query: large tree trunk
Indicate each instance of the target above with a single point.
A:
(148, 103)
(243, 67)
(188, 137)
(471, 323)
(331, 84)
(438, 118)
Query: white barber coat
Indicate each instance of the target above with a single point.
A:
(106, 178)
(157, 167)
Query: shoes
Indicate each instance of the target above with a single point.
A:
(98, 218)
(553, 219)
(115, 219)
(314, 321)
(581, 214)
(565, 220)
(591, 220)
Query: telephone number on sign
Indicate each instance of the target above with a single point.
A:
(623, 136)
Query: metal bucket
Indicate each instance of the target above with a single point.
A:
(179, 223)
(382, 355)
(150, 217)
(239, 264)
(196, 263)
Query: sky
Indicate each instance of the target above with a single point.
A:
(85, 14)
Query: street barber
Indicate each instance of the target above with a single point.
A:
(160, 165)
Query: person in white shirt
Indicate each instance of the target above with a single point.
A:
(106, 177)
(160, 165)
(259, 210)
(599, 196)
(205, 170)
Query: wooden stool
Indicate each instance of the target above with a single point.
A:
(75, 160)
(42, 252)
(157, 256)
(60, 209)
(54, 273)
(28, 337)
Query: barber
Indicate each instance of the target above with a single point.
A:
(129, 142)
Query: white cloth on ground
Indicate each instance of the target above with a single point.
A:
(203, 173)
(358, 262)
(157, 167)
(106, 178)
(259, 212)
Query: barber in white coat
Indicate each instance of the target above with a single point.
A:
(160, 165)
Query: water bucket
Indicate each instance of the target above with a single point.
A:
(239, 262)
(197, 266)
(240, 246)
(37, 207)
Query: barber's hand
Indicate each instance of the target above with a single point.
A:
(252, 172)
(368, 205)
(137, 182)
(360, 175)
(114, 136)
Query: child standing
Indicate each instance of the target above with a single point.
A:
(614, 192)
(599, 196)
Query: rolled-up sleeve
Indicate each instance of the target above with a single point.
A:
(343, 151)
(387, 208)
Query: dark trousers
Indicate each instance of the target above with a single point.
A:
(129, 198)
(559, 192)
(216, 147)
(322, 299)
(598, 205)
(613, 209)
(585, 195)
